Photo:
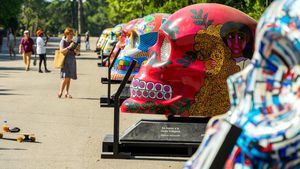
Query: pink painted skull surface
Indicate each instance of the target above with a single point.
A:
(198, 47)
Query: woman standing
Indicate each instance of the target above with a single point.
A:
(11, 42)
(26, 48)
(41, 50)
(68, 72)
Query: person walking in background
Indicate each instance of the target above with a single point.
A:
(26, 49)
(87, 40)
(67, 47)
(1, 38)
(41, 50)
(11, 42)
(79, 44)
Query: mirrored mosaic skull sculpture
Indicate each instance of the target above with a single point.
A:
(198, 47)
(112, 39)
(142, 36)
(264, 98)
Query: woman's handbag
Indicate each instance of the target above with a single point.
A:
(59, 59)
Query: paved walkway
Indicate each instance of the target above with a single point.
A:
(68, 131)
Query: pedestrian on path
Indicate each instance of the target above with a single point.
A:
(41, 50)
(26, 49)
(1, 37)
(87, 41)
(11, 43)
(68, 72)
(77, 39)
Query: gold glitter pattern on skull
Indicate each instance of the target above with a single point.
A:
(213, 99)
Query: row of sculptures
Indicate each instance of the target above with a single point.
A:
(211, 60)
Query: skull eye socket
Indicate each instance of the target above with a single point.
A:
(135, 40)
(165, 50)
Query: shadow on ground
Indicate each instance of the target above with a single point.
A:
(13, 139)
(6, 92)
(12, 149)
(87, 58)
(86, 98)
(12, 68)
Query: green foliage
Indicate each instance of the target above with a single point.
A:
(55, 15)
(96, 15)
(9, 11)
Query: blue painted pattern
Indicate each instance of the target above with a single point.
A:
(265, 97)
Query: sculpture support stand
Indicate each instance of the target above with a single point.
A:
(101, 55)
(116, 151)
(174, 137)
(108, 101)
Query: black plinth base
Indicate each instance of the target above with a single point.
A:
(99, 64)
(158, 138)
(124, 95)
(104, 102)
(104, 80)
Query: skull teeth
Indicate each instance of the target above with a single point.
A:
(142, 89)
(158, 87)
(142, 85)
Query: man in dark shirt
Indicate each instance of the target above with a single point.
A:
(87, 40)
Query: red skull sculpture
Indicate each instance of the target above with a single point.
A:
(198, 47)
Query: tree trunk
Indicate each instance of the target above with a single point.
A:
(80, 14)
(74, 16)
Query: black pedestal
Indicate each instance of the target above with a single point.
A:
(102, 64)
(104, 80)
(124, 95)
(157, 138)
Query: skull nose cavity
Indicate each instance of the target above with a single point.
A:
(142, 89)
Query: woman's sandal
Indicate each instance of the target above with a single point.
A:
(59, 95)
(68, 96)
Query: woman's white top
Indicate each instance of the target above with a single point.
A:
(40, 46)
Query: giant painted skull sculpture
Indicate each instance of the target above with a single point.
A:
(125, 33)
(103, 38)
(112, 39)
(197, 49)
(142, 36)
(99, 41)
(265, 98)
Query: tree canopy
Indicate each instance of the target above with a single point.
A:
(54, 15)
